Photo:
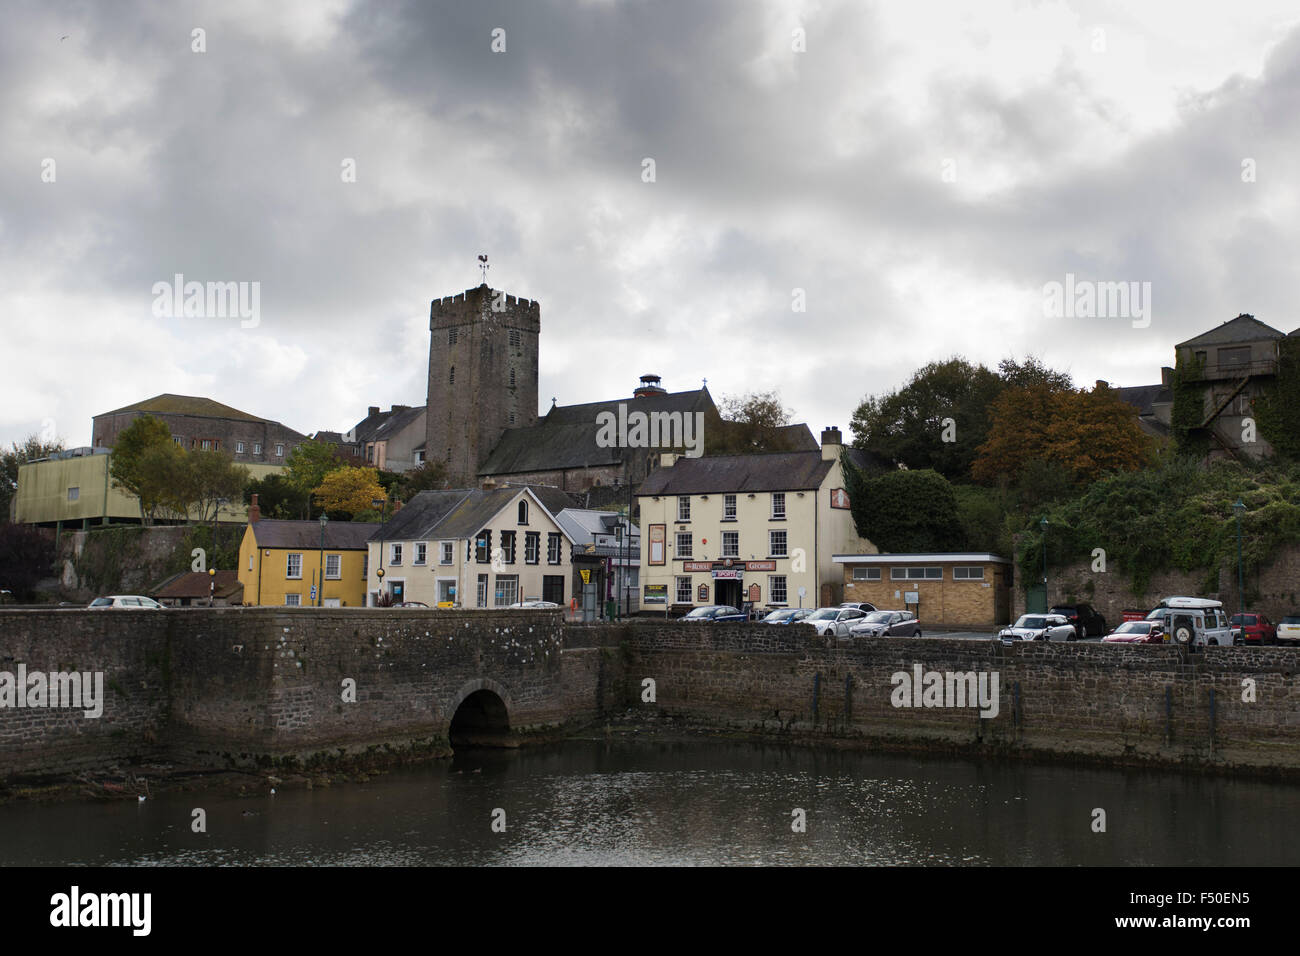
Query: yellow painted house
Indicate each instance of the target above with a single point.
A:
(280, 562)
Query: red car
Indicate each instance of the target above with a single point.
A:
(1137, 632)
(1256, 629)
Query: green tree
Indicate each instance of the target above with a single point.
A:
(430, 476)
(309, 463)
(19, 453)
(904, 510)
(1032, 371)
(277, 497)
(141, 462)
(751, 423)
(26, 556)
(213, 476)
(936, 421)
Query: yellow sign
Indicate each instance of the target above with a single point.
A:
(586, 575)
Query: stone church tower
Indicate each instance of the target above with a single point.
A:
(482, 375)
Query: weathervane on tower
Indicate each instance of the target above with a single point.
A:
(483, 267)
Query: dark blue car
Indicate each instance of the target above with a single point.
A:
(715, 614)
(787, 615)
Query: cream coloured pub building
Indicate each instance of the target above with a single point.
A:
(738, 529)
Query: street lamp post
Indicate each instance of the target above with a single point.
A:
(320, 591)
(1239, 509)
(1046, 604)
(382, 504)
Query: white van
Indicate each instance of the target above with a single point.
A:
(1189, 620)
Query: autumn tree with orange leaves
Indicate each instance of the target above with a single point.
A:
(1086, 433)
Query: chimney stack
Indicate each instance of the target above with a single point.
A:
(832, 441)
(489, 483)
(254, 512)
(374, 410)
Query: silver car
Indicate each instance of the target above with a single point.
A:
(1039, 627)
(887, 624)
(834, 621)
(129, 602)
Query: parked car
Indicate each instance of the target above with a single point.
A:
(129, 602)
(1039, 627)
(1087, 622)
(787, 615)
(409, 604)
(1288, 629)
(834, 621)
(532, 605)
(1137, 632)
(715, 614)
(887, 624)
(863, 606)
(1190, 620)
(1253, 628)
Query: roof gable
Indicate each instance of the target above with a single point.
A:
(1244, 328)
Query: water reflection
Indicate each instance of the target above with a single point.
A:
(690, 803)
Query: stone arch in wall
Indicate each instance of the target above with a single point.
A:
(480, 714)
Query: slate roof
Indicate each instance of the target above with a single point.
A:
(187, 405)
(339, 535)
(566, 436)
(779, 471)
(459, 513)
(395, 422)
(1142, 397)
(1244, 328)
(195, 584)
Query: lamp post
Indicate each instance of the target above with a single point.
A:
(212, 587)
(1239, 509)
(320, 591)
(1046, 604)
(382, 504)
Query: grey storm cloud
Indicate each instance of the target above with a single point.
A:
(775, 170)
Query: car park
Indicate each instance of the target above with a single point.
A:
(1253, 628)
(714, 614)
(787, 615)
(1087, 622)
(834, 621)
(887, 624)
(126, 602)
(1137, 632)
(1288, 629)
(1193, 621)
(1038, 627)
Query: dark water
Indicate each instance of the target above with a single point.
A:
(689, 803)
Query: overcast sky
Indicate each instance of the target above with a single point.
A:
(919, 169)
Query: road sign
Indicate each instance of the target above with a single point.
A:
(313, 592)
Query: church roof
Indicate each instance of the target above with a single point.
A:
(566, 436)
